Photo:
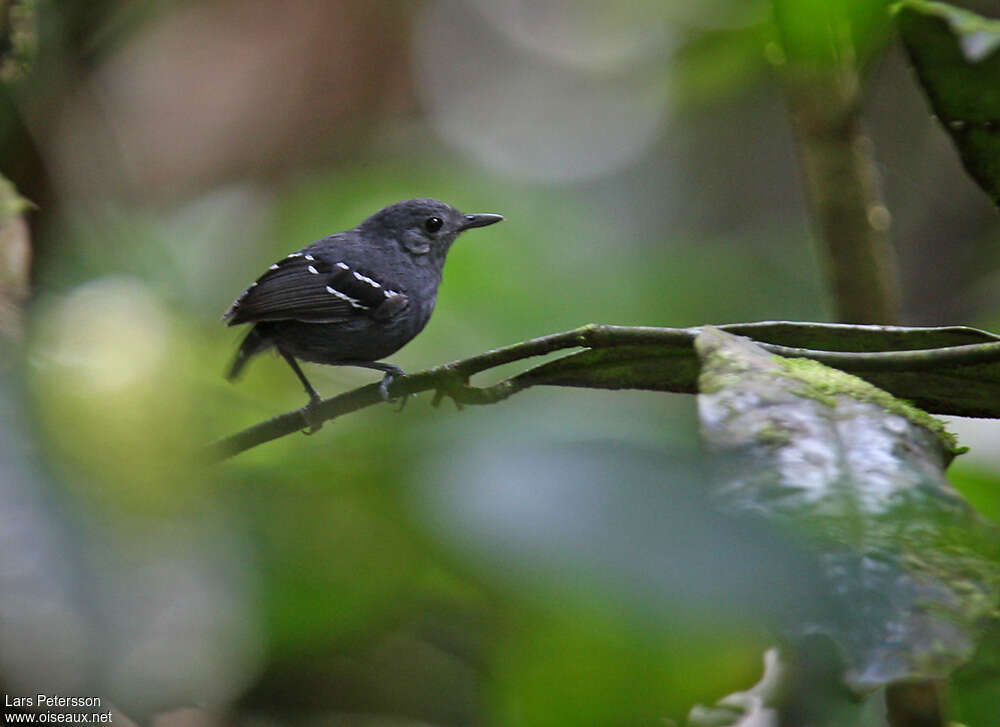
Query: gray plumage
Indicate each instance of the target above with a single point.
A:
(354, 297)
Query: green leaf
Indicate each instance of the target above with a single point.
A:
(974, 688)
(830, 33)
(956, 55)
(11, 203)
(912, 571)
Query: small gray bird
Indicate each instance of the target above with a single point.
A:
(355, 297)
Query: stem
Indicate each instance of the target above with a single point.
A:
(822, 47)
(845, 203)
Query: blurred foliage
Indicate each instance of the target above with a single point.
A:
(974, 686)
(18, 38)
(718, 63)
(834, 35)
(549, 665)
(528, 563)
(15, 260)
(956, 55)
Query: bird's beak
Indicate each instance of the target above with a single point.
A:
(480, 221)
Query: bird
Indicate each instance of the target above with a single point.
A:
(354, 297)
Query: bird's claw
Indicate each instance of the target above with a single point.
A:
(310, 416)
(383, 390)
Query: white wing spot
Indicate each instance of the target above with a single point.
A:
(353, 301)
(343, 266)
(273, 267)
(390, 293)
(368, 280)
(310, 258)
(295, 254)
(313, 270)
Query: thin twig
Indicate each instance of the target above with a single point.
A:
(452, 379)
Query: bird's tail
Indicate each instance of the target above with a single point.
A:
(253, 344)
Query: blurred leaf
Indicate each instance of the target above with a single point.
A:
(831, 34)
(718, 64)
(774, 700)
(974, 688)
(11, 203)
(966, 390)
(424, 667)
(980, 486)
(956, 55)
(344, 572)
(109, 354)
(626, 576)
(15, 258)
(18, 39)
(581, 666)
(50, 629)
(912, 570)
(629, 520)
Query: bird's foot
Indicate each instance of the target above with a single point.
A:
(310, 415)
(383, 388)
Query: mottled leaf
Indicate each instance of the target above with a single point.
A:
(910, 568)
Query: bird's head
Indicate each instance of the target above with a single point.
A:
(425, 228)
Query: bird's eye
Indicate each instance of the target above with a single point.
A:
(433, 224)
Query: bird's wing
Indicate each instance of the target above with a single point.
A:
(308, 287)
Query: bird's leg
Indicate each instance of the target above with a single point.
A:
(391, 372)
(309, 410)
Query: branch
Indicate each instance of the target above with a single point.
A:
(451, 379)
(671, 350)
